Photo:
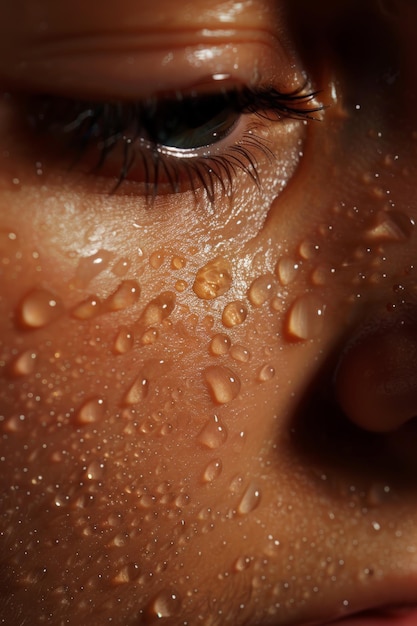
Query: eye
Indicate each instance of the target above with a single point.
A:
(170, 143)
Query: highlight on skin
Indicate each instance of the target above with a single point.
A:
(208, 328)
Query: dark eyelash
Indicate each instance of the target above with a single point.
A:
(106, 124)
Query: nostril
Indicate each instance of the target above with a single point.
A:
(376, 378)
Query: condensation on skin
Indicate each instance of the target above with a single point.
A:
(38, 309)
(124, 340)
(214, 279)
(212, 471)
(234, 314)
(261, 290)
(157, 259)
(266, 373)
(287, 270)
(91, 411)
(305, 319)
(224, 384)
(213, 434)
(392, 226)
(90, 267)
(126, 295)
(240, 353)
(138, 391)
(24, 363)
(250, 499)
(220, 344)
(166, 604)
(158, 309)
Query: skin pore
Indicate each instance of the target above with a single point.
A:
(206, 403)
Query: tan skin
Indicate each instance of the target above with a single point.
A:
(159, 461)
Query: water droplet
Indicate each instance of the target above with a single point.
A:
(214, 279)
(24, 364)
(39, 308)
(267, 372)
(391, 226)
(213, 434)
(321, 275)
(234, 313)
(149, 337)
(137, 392)
(250, 500)
(87, 309)
(127, 573)
(306, 317)
(91, 411)
(178, 262)
(242, 563)
(261, 290)
(212, 471)
(125, 295)
(286, 270)
(240, 353)
(158, 309)
(181, 286)
(156, 259)
(220, 344)
(94, 471)
(121, 267)
(165, 604)
(90, 267)
(308, 250)
(223, 383)
(124, 340)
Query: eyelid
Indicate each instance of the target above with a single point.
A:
(128, 67)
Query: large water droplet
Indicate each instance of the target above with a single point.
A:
(213, 434)
(23, 364)
(214, 279)
(90, 267)
(165, 604)
(158, 309)
(261, 290)
(234, 313)
(138, 391)
(125, 295)
(250, 500)
(39, 308)
(220, 344)
(224, 385)
(286, 270)
(306, 317)
(212, 471)
(87, 309)
(91, 411)
(124, 340)
(391, 226)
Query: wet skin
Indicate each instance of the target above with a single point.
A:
(206, 407)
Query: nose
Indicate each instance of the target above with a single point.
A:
(376, 378)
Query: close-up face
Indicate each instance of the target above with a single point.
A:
(208, 312)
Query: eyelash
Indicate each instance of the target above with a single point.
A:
(134, 127)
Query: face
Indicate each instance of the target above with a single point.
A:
(208, 337)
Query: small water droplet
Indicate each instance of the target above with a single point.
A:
(149, 337)
(94, 471)
(261, 290)
(214, 279)
(212, 471)
(242, 563)
(220, 344)
(91, 411)
(224, 385)
(90, 267)
(267, 372)
(138, 391)
(121, 267)
(87, 309)
(306, 317)
(250, 500)
(234, 313)
(286, 270)
(127, 574)
(24, 364)
(158, 309)
(213, 434)
(240, 353)
(156, 259)
(39, 308)
(181, 286)
(178, 262)
(124, 340)
(321, 275)
(391, 226)
(127, 294)
(166, 604)
(308, 250)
